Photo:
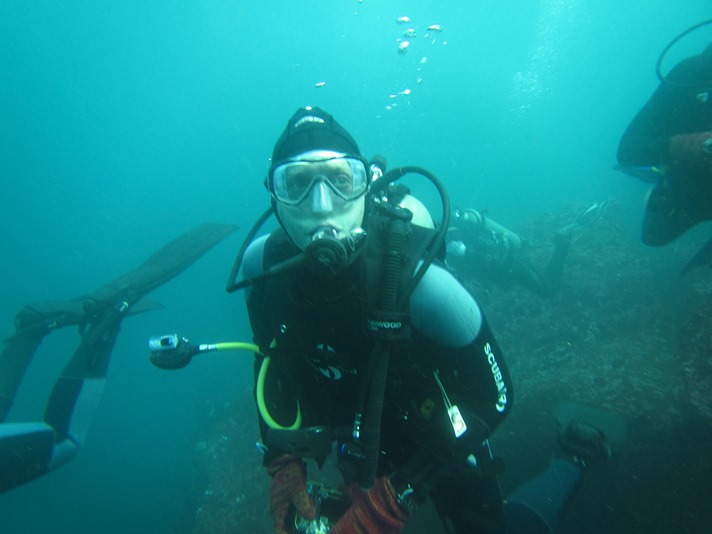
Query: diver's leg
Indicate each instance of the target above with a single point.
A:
(469, 503)
(585, 434)
(524, 274)
(554, 270)
(666, 217)
(28, 450)
(77, 393)
(14, 360)
(25, 452)
(536, 506)
(468, 498)
(32, 323)
(674, 206)
(547, 282)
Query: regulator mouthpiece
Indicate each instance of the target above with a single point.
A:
(326, 254)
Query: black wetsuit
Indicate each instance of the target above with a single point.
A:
(683, 195)
(322, 350)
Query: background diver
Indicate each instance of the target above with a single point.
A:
(31, 449)
(484, 250)
(669, 143)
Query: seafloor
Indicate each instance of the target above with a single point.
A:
(625, 332)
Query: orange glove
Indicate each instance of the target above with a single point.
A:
(375, 511)
(289, 486)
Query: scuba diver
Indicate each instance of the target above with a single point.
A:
(669, 143)
(482, 249)
(31, 449)
(365, 340)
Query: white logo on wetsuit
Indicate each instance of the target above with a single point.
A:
(326, 361)
(375, 325)
(498, 380)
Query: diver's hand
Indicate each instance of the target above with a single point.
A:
(692, 149)
(289, 486)
(375, 511)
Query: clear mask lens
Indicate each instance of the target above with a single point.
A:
(291, 181)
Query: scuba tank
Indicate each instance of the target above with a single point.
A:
(478, 220)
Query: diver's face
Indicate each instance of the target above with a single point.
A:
(326, 196)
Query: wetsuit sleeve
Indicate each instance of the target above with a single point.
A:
(483, 383)
(469, 365)
(446, 313)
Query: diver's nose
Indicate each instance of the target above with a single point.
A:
(321, 198)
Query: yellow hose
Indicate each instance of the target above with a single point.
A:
(260, 393)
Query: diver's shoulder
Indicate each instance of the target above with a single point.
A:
(253, 262)
(443, 309)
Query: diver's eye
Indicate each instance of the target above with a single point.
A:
(342, 182)
(298, 182)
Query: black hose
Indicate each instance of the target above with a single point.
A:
(439, 237)
(661, 57)
(397, 240)
(374, 414)
(398, 235)
(232, 283)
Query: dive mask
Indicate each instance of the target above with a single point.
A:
(290, 181)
